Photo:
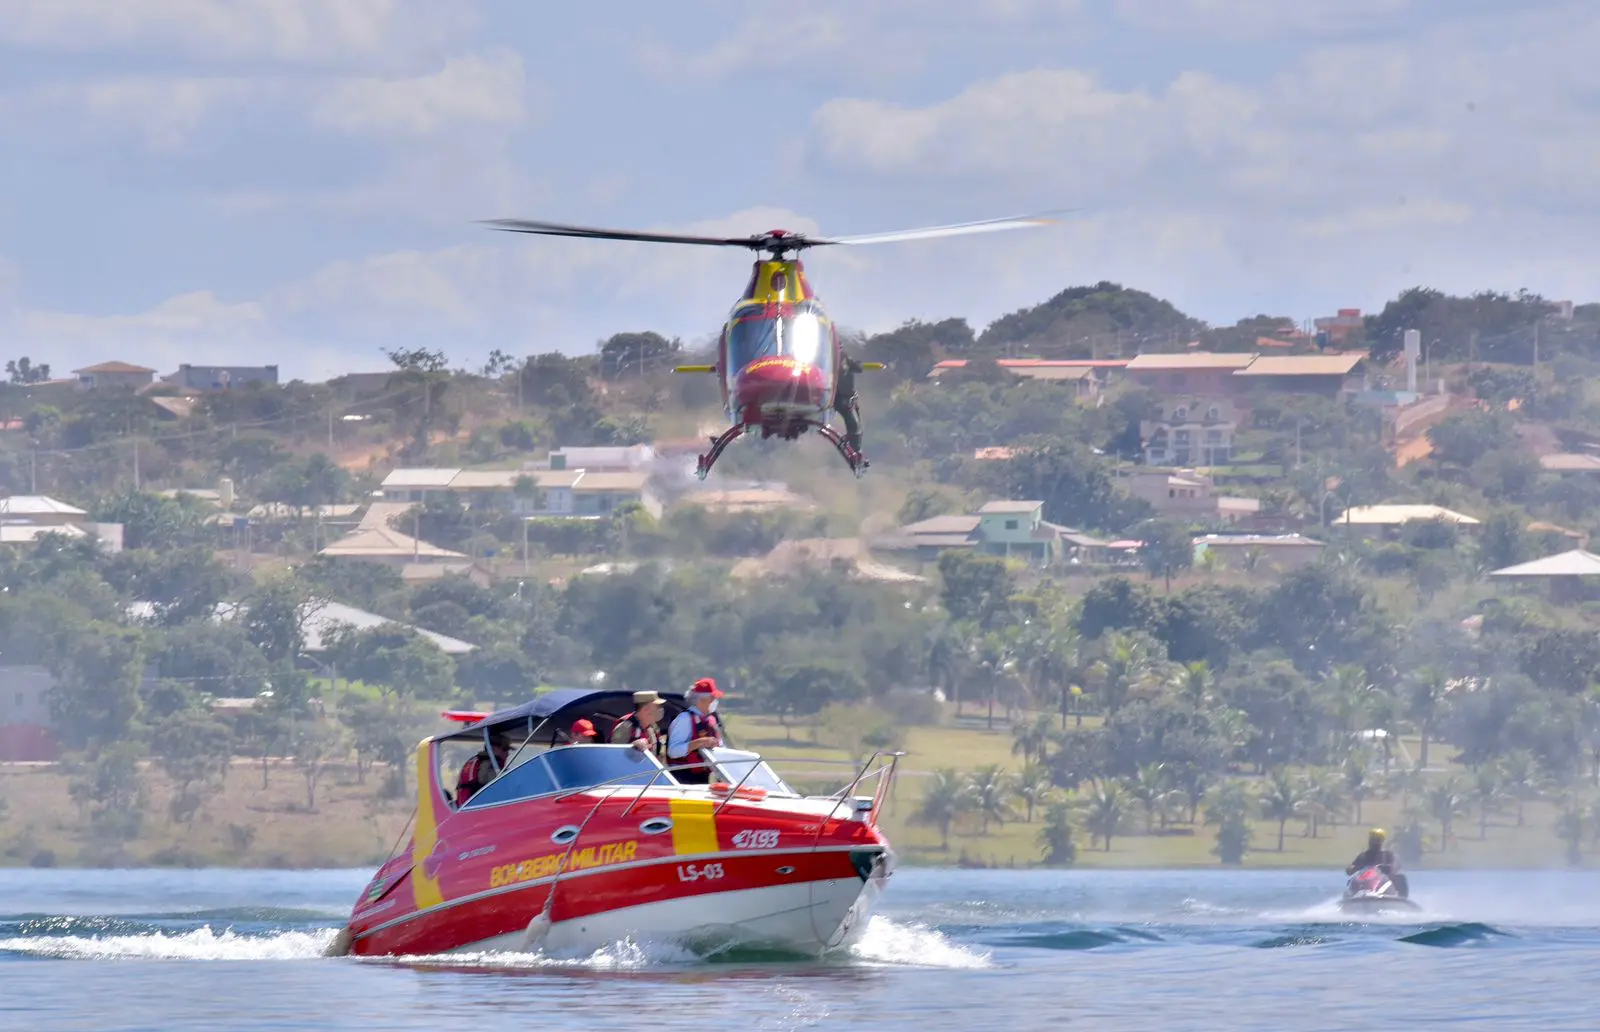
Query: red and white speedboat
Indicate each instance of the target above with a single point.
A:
(572, 847)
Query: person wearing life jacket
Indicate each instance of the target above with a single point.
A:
(1377, 855)
(694, 729)
(640, 728)
(583, 732)
(477, 771)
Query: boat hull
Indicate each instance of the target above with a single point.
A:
(1369, 904)
(808, 902)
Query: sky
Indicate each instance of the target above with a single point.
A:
(298, 181)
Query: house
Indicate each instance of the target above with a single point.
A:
(1002, 528)
(420, 573)
(1246, 551)
(25, 723)
(24, 518)
(752, 499)
(1185, 494)
(1393, 517)
(1335, 330)
(1086, 376)
(113, 374)
(1190, 432)
(609, 460)
(534, 492)
(1327, 375)
(220, 378)
(1194, 373)
(1570, 462)
(1568, 575)
(320, 619)
(387, 546)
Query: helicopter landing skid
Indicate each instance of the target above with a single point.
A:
(858, 462)
(719, 444)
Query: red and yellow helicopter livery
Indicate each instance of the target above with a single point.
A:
(779, 361)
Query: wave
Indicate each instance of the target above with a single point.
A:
(146, 937)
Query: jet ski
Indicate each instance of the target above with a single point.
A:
(1370, 890)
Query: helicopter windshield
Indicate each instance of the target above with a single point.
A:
(802, 332)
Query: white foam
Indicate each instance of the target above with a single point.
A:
(887, 942)
(200, 944)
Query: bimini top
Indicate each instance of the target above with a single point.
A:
(545, 719)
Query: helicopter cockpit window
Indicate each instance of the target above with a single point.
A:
(803, 333)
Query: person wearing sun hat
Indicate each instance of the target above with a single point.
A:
(694, 729)
(640, 728)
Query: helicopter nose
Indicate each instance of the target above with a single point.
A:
(781, 382)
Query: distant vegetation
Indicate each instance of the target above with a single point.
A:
(1234, 702)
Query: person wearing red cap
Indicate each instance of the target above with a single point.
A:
(583, 732)
(694, 729)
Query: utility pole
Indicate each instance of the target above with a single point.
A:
(33, 471)
(330, 429)
(136, 464)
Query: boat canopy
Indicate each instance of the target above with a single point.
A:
(546, 719)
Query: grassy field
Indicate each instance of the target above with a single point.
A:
(243, 824)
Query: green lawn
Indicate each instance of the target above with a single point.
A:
(1016, 842)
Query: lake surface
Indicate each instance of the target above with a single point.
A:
(991, 950)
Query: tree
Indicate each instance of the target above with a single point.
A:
(974, 587)
(1056, 842)
(1166, 547)
(1281, 800)
(637, 353)
(1105, 813)
(317, 745)
(1228, 810)
(97, 668)
(947, 797)
(274, 620)
(23, 371)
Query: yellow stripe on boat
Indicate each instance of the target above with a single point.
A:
(424, 890)
(694, 827)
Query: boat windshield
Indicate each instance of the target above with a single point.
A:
(736, 765)
(802, 332)
(584, 766)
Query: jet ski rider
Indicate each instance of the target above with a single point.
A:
(694, 729)
(1376, 855)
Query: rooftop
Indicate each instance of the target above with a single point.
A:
(1576, 563)
(1191, 360)
(1395, 515)
(942, 525)
(115, 367)
(37, 505)
(1571, 462)
(1277, 540)
(420, 477)
(1303, 365)
(369, 542)
(611, 481)
(1005, 507)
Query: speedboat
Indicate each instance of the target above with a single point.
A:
(1370, 890)
(575, 846)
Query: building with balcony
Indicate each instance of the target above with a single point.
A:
(1191, 432)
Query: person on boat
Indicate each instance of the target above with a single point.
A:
(583, 732)
(640, 728)
(477, 771)
(1377, 855)
(694, 729)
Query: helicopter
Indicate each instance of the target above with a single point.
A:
(779, 363)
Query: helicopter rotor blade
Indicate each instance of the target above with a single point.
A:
(593, 233)
(933, 232)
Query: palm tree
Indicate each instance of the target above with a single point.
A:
(1193, 682)
(1031, 738)
(1489, 792)
(1517, 772)
(1428, 687)
(1033, 786)
(947, 797)
(1152, 790)
(1281, 800)
(1324, 800)
(1355, 783)
(1105, 813)
(1570, 826)
(1056, 843)
(991, 794)
(1447, 801)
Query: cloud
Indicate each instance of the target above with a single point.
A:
(1488, 114)
(883, 41)
(316, 32)
(163, 112)
(475, 89)
(1237, 20)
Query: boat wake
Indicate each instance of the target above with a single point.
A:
(240, 936)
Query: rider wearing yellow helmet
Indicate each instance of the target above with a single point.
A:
(1377, 855)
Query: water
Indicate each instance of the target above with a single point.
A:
(994, 950)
